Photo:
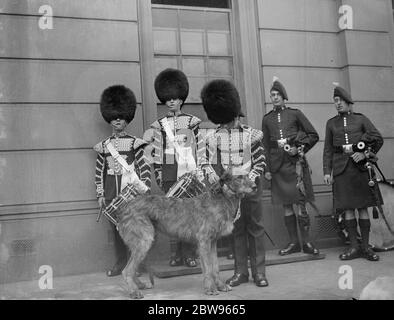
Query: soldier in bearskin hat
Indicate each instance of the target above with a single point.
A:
(288, 136)
(176, 129)
(238, 147)
(350, 139)
(117, 106)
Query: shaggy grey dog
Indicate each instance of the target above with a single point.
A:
(202, 219)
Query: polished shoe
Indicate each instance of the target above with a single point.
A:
(175, 261)
(310, 249)
(369, 254)
(260, 280)
(190, 262)
(290, 248)
(237, 279)
(350, 254)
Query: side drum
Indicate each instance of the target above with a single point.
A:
(187, 186)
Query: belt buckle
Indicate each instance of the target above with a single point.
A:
(282, 142)
(347, 148)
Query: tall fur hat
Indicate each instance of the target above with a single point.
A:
(277, 86)
(171, 84)
(221, 101)
(342, 93)
(118, 102)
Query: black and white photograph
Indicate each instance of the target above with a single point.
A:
(196, 155)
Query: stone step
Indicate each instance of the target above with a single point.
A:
(161, 269)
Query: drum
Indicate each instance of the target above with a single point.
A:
(110, 212)
(187, 186)
(382, 229)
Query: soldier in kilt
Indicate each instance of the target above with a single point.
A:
(288, 136)
(118, 105)
(344, 168)
(172, 89)
(239, 148)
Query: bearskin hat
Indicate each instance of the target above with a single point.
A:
(221, 101)
(342, 93)
(118, 102)
(171, 84)
(277, 86)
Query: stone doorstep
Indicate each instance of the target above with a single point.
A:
(161, 269)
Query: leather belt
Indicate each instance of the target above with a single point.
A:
(346, 148)
(275, 144)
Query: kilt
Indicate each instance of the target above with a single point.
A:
(284, 182)
(351, 190)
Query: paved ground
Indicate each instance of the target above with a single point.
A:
(312, 280)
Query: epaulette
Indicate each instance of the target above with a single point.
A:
(256, 134)
(138, 143)
(156, 124)
(99, 146)
(268, 113)
(333, 117)
(194, 121)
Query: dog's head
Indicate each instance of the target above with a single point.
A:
(238, 185)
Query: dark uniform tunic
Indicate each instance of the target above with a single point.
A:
(291, 124)
(350, 185)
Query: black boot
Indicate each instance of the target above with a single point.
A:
(176, 258)
(189, 255)
(293, 246)
(367, 252)
(304, 225)
(230, 243)
(353, 252)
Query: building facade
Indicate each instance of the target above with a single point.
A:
(57, 56)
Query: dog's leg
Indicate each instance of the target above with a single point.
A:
(220, 284)
(206, 265)
(138, 234)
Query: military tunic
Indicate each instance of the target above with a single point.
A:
(185, 127)
(350, 180)
(292, 125)
(242, 150)
(109, 172)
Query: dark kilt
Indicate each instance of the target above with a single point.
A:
(351, 190)
(284, 182)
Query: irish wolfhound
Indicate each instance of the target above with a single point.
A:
(202, 219)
